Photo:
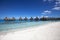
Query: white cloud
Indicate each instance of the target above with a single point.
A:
(56, 8)
(46, 12)
(44, 0)
(48, 0)
(51, 0)
(57, 0)
(57, 4)
(44, 16)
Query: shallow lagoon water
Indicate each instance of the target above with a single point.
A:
(9, 25)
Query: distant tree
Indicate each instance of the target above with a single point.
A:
(25, 18)
(43, 19)
(31, 19)
(58, 18)
(20, 19)
(36, 19)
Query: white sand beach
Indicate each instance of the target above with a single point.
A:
(49, 31)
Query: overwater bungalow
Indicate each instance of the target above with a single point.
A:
(25, 18)
(31, 19)
(20, 19)
(9, 19)
(13, 18)
(36, 19)
(6, 18)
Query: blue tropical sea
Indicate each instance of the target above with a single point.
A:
(9, 25)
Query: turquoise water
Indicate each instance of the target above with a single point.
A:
(9, 25)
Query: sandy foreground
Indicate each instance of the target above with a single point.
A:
(49, 31)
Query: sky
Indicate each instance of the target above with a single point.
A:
(28, 8)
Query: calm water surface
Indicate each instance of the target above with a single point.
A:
(9, 25)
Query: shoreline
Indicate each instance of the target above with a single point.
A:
(44, 32)
(27, 27)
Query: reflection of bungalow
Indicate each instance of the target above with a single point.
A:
(9, 19)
